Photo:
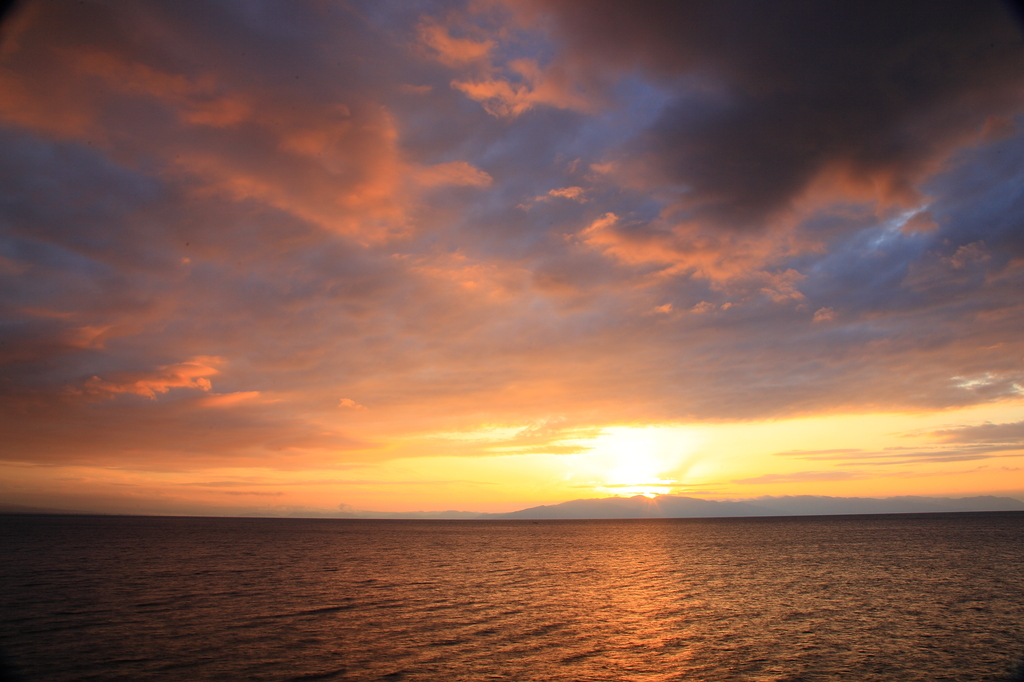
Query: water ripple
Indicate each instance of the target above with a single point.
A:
(934, 597)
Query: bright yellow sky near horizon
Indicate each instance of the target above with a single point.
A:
(714, 461)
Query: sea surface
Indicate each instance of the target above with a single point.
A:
(896, 597)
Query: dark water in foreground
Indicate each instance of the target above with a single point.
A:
(923, 597)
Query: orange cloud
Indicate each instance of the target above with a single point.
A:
(20, 105)
(86, 337)
(226, 399)
(505, 98)
(506, 89)
(189, 374)
(453, 51)
(968, 254)
(342, 172)
(728, 260)
(332, 162)
(573, 193)
(457, 173)
(824, 315)
(198, 101)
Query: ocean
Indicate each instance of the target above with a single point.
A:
(895, 597)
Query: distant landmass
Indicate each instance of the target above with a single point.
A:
(673, 506)
(427, 515)
(661, 507)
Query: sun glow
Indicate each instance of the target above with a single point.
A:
(645, 461)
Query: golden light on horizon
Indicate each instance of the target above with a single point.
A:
(859, 455)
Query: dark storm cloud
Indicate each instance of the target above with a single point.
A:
(773, 95)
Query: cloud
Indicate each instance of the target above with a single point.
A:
(964, 443)
(702, 307)
(800, 477)
(572, 193)
(189, 374)
(247, 128)
(453, 51)
(534, 86)
(298, 191)
(921, 221)
(227, 399)
(730, 262)
(824, 315)
(490, 71)
(457, 173)
(968, 254)
(867, 98)
(136, 432)
(1011, 434)
(197, 100)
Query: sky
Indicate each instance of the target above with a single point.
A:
(290, 257)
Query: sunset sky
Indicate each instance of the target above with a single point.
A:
(294, 257)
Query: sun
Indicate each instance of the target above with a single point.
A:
(637, 472)
(639, 460)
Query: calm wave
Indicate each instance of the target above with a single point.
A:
(929, 597)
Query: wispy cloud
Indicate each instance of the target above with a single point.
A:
(964, 443)
(800, 477)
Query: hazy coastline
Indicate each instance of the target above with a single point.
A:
(642, 507)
